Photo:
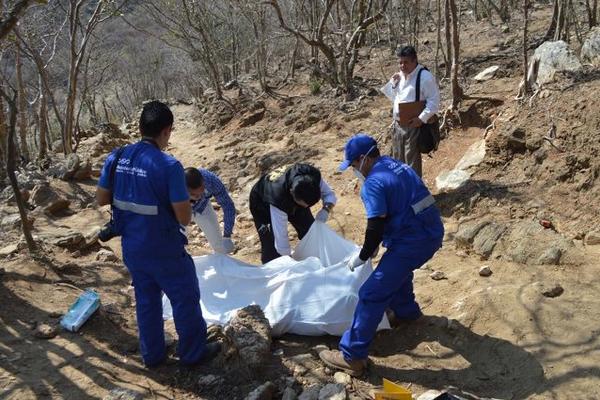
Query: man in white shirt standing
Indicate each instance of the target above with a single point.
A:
(402, 89)
(286, 195)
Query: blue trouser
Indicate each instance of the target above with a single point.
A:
(177, 279)
(390, 285)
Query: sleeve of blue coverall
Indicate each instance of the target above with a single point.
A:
(373, 197)
(176, 182)
(104, 181)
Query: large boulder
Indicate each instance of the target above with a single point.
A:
(251, 334)
(531, 243)
(590, 51)
(524, 242)
(65, 238)
(554, 57)
(246, 341)
(13, 221)
(44, 196)
(460, 175)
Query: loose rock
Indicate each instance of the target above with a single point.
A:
(312, 393)
(105, 255)
(263, 392)
(550, 257)
(487, 73)
(592, 238)
(438, 275)
(123, 394)
(553, 291)
(289, 394)
(430, 395)
(45, 331)
(208, 381)
(485, 271)
(333, 391)
(8, 250)
(343, 378)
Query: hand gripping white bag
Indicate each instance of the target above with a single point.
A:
(311, 293)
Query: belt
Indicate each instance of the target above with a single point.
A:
(423, 204)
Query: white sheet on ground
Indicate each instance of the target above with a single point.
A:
(313, 293)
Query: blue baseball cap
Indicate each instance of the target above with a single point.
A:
(357, 145)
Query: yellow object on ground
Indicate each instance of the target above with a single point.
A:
(392, 391)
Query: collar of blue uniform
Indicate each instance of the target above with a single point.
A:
(151, 141)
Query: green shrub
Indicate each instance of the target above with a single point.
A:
(315, 86)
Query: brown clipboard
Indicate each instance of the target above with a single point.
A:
(408, 111)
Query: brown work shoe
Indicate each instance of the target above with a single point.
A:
(335, 359)
(396, 322)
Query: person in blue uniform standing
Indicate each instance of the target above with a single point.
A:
(147, 191)
(401, 214)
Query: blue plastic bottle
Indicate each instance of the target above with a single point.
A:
(80, 311)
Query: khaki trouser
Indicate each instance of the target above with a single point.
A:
(405, 146)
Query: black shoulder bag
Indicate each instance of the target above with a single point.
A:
(429, 132)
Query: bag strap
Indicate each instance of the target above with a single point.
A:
(418, 87)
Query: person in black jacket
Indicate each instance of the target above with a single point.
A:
(286, 194)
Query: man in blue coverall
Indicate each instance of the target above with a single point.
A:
(151, 207)
(401, 213)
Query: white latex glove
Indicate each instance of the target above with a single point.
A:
(322, 215)
(354, 261)
(228, 245)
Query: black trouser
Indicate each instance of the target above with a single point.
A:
(301, 220)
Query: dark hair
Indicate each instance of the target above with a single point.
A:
(193, 178)
(374, 153)
(306, 189)
(407, 51)
(156, 116)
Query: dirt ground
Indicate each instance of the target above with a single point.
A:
(494, 337)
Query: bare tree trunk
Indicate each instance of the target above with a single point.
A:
(3, 141)
(456, 89)
(447, 30)
(553, 21)
(293, 58)
(416, 25)
(43, 127)
(560, 20)
(77, 48)
(22, 106)
(591, 15)
(439, 39)
(70, 115)
(10, 170)
(526, 87)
